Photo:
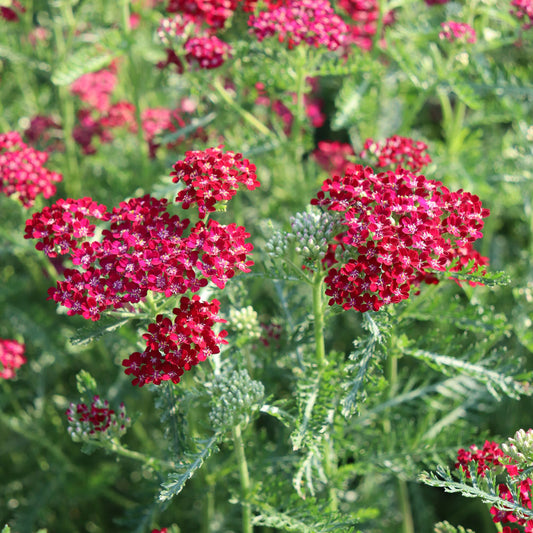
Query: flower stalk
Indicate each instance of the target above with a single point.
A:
(244, 478)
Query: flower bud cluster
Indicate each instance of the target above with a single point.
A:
(235, 397)
(11, 357)
(245, 322)
(304, 21)
(22, 173)
(520, 448)
(278, 244)
(312, 232)
(96, 421)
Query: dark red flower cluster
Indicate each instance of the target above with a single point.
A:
(309, 21)
(523, 10)
(214, 13)
(401, 228)
(44, 131)
(333, 156)
(396, 152)
(96, 418)
(457, 31)
(212, 176)
(174, 347)
(11, 357)
(436, 2)
(11, 14)
(488, 458)
(22, 172)
(199, 45)
(365, 14)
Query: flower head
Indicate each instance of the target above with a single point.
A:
(398, 229)
(310, 21)
(95, 88)
(212, 176)
(457, 31)
(11, 357)
(523, 10)
(22, 172)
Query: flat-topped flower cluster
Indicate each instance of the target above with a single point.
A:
(399, 229)
(142, 248)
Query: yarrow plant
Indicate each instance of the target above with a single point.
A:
(22, 173)
(11, 357)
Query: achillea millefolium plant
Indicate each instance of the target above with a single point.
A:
(266, 266)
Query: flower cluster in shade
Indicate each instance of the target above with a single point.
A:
(22, 173)
(523, 11)
(398, 229)
(364, 15)
(95, 420)
(492, 458)
(301, 21)
(393, 152)
(457, 31)
(11, 357)
(11, 14)
(185, 38)
(142, 248)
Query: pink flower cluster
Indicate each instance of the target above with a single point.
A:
(212, 176)
(523, 10)
(87, 420)
(198, 45)
(173, 347)
(365, 14)
(488, 458)
(11, 357)
(333, 156)
(397, 151)
(457, 31)
(96, 120)
(310, 21)
(22, 172)
(401, 228)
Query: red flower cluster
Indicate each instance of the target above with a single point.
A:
(365, 14)
(523, 10)
(22, 172)
(332, 156)
(10, 13)
(457, 31)
(97, 418)
(44, 131)
(489, 457)
(436, 2)
(214, 13)
(311, 21)
(401, 228)
(200, 45)
(212, 176)
(396, 152)
(173, 347)
(11, 357)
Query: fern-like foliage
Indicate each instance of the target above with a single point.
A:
(187, 468)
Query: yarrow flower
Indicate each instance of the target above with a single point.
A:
(11, 14)
(310, 21)
(492, 458)
(436, 2)
(214, 13)
(523, 10)
(333, 156)
(396, 152)
(457, 31)
(22, 172)
(11, 357)
(96, 420)
(401, 228)
(173, 347)
(212, 176)
(95, 88)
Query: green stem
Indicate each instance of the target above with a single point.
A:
(318, 314)
(391, 373)
(117, 448)
(247, 116)
(379, 27)
(452, 123)
(245, 479)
